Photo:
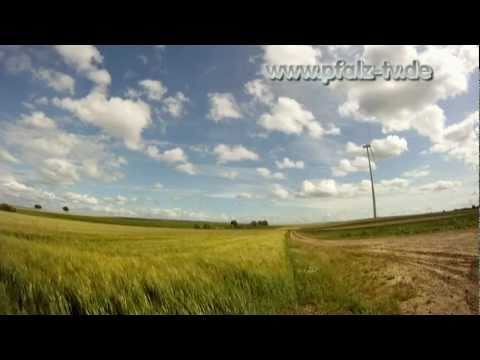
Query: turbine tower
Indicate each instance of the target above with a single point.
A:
(369, 148)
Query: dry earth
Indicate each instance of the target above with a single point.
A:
(442, 267)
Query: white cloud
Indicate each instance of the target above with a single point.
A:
(81, 199)
(327, 188)
(260, 91)
(36, 139)
(171, 156)
(441, 185)
(59, 171)
(229, 174)
(291, 54)
(187, 168)
(6, 156)
(417, 173)
(11, 187)
(403, 105)
(245, 195)
(223, 106)
(267, 174)
(395, 183)
(85, 59)
(289, 117)
(460, 140)
(154, 89)
(121, 118)
(280, 192)
(390, 146)
(286, 163)
(346, 166)
(39, 120)
(227, 153)
(56, 80)
(174, 105)
(158, 186)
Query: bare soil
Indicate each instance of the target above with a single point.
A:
(442, 267)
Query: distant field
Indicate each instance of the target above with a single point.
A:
(113, 220)
(72, 264)
(425, 223)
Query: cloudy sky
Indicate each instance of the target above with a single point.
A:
(198, 132)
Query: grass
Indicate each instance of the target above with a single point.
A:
(53, 266)
(331, 281)
(456, 220)
(50, 264)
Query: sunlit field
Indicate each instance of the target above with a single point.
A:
(50, 264)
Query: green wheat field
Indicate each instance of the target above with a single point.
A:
(62, 264)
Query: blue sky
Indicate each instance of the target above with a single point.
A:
(198, 132)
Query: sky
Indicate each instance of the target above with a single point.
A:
(201, 133)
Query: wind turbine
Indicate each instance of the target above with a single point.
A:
(369, 148)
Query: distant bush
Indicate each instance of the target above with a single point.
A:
(65, 208)
(234, 223)
(207, 226)
(6, 207)
(253, 223)
(263, 223)
(196, 226)
(38, 206)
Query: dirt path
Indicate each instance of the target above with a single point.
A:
(443, 267)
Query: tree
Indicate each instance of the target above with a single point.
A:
(6, 207)
(254, 223)
(37, 206)
(65, 208)
(234, 223)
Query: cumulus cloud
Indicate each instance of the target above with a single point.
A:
(172, 156)
(279, 192)
(59, 156)
(6, 156)
(153, 89)
(121, 118)
(291, 54)
(395, 183)
(441, 185)
(39, 120)
(417, 173)
(15, 189)
(223, 106)
(404, 105)
(385, 148)
(260, 91)
(56, 80)
(175, 105)
(345, 166)
(82, 199)
(286, 163)
(229, 174)
(187, 168)
(289, 117)
(327, 188)
(59, 171)
(232, 153)
(86, 60)
(460, 140)
(267, 174)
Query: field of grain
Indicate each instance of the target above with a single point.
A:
(50, 264)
